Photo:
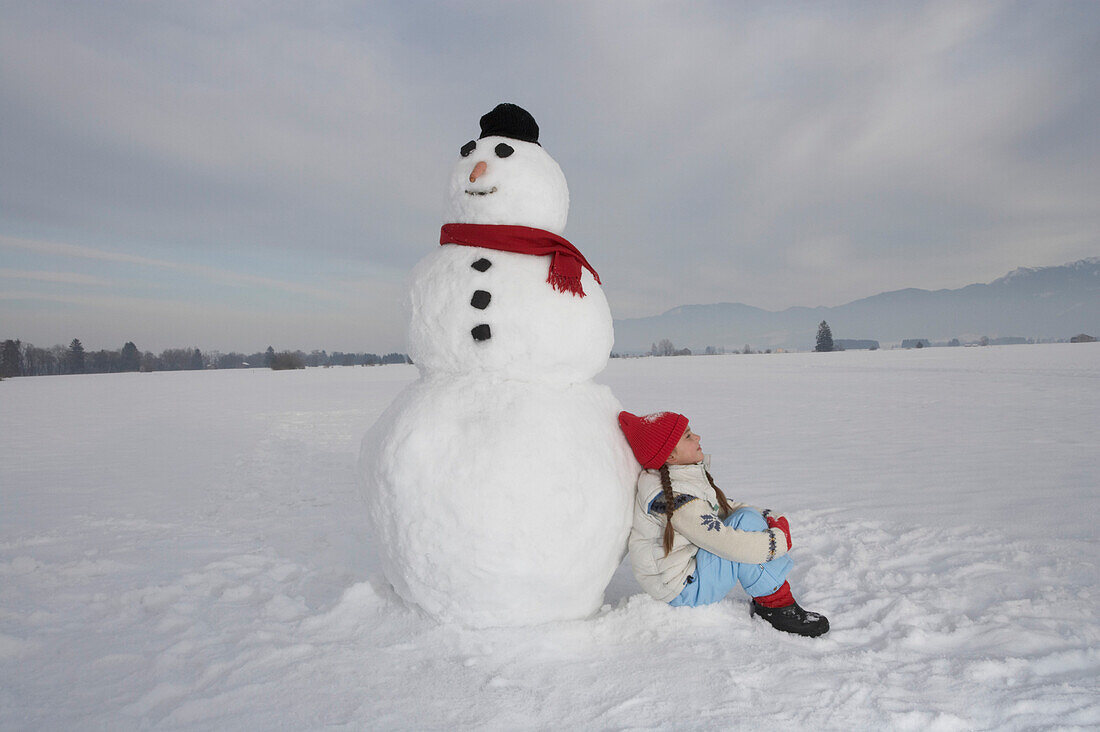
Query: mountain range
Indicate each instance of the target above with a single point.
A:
(1049, 303)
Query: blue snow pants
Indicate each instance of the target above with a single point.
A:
(715, 576)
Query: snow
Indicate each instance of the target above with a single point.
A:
(526, 188)
(188, 550)
(498, 486)
(499, 502)
(538, 333)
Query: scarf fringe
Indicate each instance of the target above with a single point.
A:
(565, 283)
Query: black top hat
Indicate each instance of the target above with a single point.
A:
(509, 120)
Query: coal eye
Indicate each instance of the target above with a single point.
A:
(468, 148)
(503, 150)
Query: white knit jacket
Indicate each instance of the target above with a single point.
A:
(696, 524)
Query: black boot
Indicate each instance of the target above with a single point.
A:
(792, 619)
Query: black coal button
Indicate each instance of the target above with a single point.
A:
(481, 299)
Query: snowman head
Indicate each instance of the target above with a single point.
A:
(505, 177)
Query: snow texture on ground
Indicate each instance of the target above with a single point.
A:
(186, 550)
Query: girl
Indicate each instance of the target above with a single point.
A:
(689, 545)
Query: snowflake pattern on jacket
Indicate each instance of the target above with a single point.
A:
(712, 522)
(657, 505)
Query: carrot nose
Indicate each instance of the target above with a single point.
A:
(478, 171)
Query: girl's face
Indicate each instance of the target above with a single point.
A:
(687, 450)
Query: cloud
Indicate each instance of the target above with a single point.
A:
(902, 131)
(771, 154)
(106, 321)
(68, 278)
(212, 274)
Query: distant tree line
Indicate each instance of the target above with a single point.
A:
(25, 359)
(825, 342)
(665, 348)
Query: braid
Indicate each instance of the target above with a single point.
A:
(670, 504)
(725, 504)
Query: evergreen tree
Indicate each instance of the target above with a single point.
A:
(130, 359)
(196, 360)
(824, 337)
(76, 357)
(269, 357)
(11, 359)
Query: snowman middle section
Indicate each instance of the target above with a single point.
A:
(480, 310)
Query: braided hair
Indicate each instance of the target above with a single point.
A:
(666, 489)
(670, 504)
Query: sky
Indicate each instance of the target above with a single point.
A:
(235, 175)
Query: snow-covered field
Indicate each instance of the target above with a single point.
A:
(187, 550)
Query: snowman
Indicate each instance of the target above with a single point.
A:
(498, 485)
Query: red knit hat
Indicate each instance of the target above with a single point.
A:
(654, 436)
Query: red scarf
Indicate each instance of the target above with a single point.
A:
(565, 260)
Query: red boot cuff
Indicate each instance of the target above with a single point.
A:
(780, 598)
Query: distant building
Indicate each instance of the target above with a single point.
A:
(1082, 338)
(851, 344)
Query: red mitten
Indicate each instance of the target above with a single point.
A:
(781, 524)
